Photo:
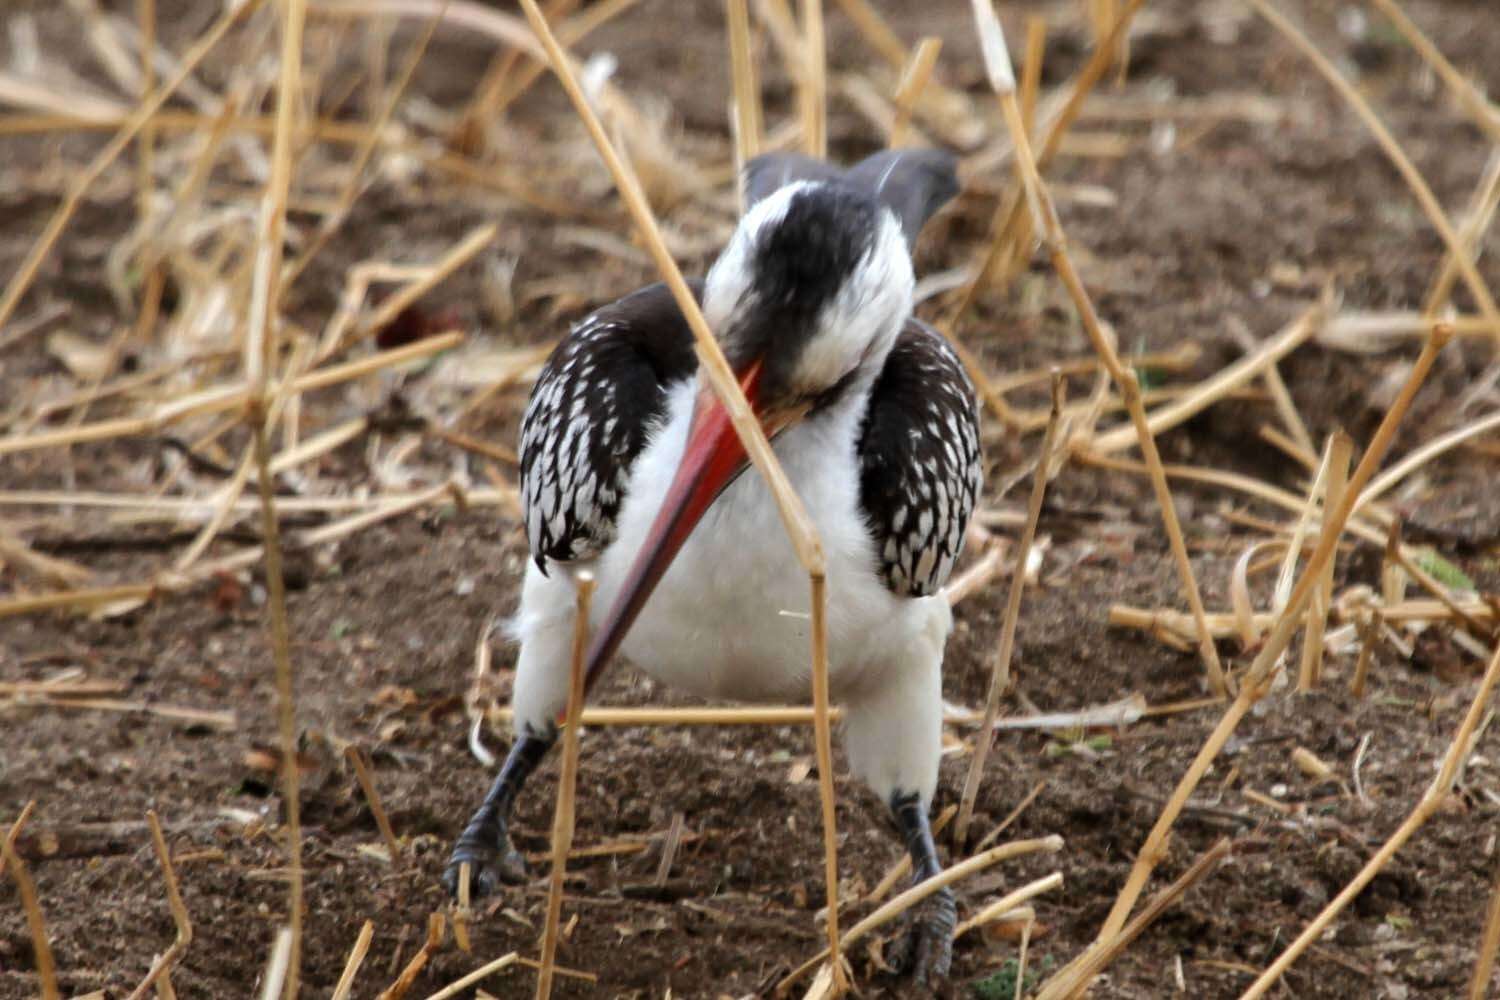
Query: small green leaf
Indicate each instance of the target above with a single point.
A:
(1444, 571)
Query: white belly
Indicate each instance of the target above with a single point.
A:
(730, 618)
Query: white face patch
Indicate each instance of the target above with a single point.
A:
(730, 277)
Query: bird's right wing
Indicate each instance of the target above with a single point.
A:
(594, 406)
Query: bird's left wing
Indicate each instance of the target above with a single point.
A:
(594, 407)
(920, 468)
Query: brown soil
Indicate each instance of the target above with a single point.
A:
(1238, 222)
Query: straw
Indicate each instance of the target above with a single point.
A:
(1000, 675)
(567, 783)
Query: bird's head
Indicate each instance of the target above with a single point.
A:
(806, 302)
(808, 296)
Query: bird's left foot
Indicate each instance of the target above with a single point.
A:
(925, 953)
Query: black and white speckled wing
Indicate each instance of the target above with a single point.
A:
(920, 468)
(598, 399)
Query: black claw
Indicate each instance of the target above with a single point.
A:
(925, 953)
(492, 860)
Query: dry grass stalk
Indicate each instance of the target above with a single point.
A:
(277, 964)
(462, 911)
(1008, 214)
(1303, 455)
(1225, 626)
(88, 597)
(875, 31)
(456, 987)
(60, 689)
(464, 251)
(146, 14)
(1369, 635)
(1485, 115)
(42, 949)
(1073, 978)
(138, 507)
(748, 128)
(413, 969)
(1382, 483)
(1000, 674)
(345, 985)
(823, 740)
(1206, 650)
(1376, 331)
(350, 191)
(562, 970)
(1431, 801)
(357, 759)
(161, 969)
(997, 62)
(491, 97)
(567, 783)
(1031, 68)
(1256, 679)
(14, 833)
(226, 397)
(1257, 488)
(1016, 231)
(802, 715)
(1216, 387)
(917, 893)
(260, 336)
(286, 695)
(914, 79)
(812, 85)
(21, 280)
(1489, 942)
(715, 369)
(1476, 220)
(1340, 448)
(1010, 902)
(572, 31)
(48, 569)
(1029, 916)
(1392, 149)
(230, 491)
(1281, 396)
(750, 715)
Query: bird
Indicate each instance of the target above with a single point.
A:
(632, 471)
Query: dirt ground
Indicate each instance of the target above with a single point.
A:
(1211, 223)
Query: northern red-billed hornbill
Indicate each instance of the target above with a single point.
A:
(630, 468)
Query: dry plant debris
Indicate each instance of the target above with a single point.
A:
(204, 294)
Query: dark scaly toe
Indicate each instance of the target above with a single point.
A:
(486, 847)
(925, 953)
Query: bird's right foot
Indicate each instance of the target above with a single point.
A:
(486, 848)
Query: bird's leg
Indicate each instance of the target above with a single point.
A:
(928, 949)
(485, 843)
